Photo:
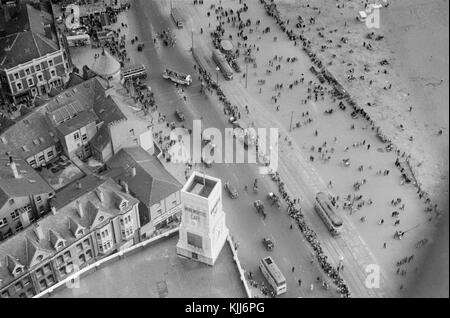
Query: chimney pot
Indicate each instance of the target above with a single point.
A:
(53, 210)
(125, 187)
(78, 185)
(100, 194)
(80, 209)
(133, 171)
(38, 231)
(13, 167)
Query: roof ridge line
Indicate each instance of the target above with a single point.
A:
(35, 43)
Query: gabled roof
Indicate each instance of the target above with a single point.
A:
(12, 263)
(74, 226)
(74, 79)
(23, 47)
(78, 121)
(23, 245)
(90, 95)
(152, 182)
(28, 183)
(33, 250)
(55, 237)
(24, 38)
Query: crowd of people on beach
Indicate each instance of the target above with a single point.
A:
(315, 92)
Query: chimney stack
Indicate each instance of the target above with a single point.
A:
(7, 14)
(13, 167)
(125, 187)
(100, 194)
(53, 210)
(133, 172)
(80, 209)
(78, 185)
(38, 231)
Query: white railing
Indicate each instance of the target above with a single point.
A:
(238, 265)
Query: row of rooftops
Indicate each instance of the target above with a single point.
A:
(86, 204)
(71, 109)
(78, 209)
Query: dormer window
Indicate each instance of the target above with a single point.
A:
(123, 205)
(18, 270)
(79, 232)
(39, 258)
(60, 244)
(101, 218)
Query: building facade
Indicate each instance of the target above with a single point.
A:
(33, 59)
(149, 182)
(89, 221)
(24, 195)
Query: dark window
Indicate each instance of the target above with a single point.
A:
(18, 287)
(82, 259)
(43, 284)
(194, 240)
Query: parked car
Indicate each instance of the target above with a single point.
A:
(268, 244)
(179, 114)
(231, 190)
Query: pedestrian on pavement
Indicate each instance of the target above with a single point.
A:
(293, 268)
(290, 227)
(299, 282)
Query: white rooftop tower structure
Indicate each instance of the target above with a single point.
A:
(203, 231)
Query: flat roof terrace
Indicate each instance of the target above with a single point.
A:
(201, 186)
(157, 272)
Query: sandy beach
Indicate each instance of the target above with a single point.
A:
(415, 44)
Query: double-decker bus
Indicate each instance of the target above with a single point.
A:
(133, 72)
(223, 65)
(273, 275)
(326, 211)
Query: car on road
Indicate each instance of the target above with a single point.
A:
(268, 244)
(231, 190)
(177, 77)
(179, 115)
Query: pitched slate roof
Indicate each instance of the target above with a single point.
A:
(29, 183)
(74, 79)
(25, 39)
(23, 246)
(152, 182)
(90, 95)
(80, 120)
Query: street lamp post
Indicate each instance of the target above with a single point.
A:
(246, 75)
(341, 259)
(217, 75)
(292, 117)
